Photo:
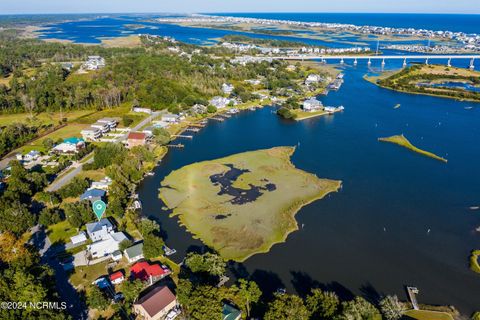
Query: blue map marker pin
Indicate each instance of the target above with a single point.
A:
(99, 208)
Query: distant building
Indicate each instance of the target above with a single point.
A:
(98, 231)
(91, 133)
(110, 122)
(94, 63)
(311, 105)
(117, 277)
(156, 304)
(93, 195)
(199, 109)
(102, 126)
(31, 156)
(219, 102)
(107, 246)
(136, 139)
(170, 118)
(103, 184)
(142, 110)
(69, 145)
(134, 253)
(313, 78)
(227, 88)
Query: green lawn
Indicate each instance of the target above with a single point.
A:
(42, 118)
(61, 232)
(428, 315)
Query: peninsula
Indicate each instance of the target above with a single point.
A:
(403, 142)
(243, 204)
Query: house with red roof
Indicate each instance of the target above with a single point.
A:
(148, 272)
(117, 277)
(136, 139)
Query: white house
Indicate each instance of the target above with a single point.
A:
(31, 156)
(111, 122)
(107, 246)
(102, 126)
(134, 253)
(91, 133)
(311, 105)
(70, 145)
(313, 78)
(94, 63)
(227, 88)
(79, 238)
(219, 102)
(142, 110)
(170, 118)
(99, 230)
(199, 108)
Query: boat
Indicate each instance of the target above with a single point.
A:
(150, 174)
(468, 108)
(137, 204)
(397, 106)
(474, 208)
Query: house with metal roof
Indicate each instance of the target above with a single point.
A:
(93, 195)
(99, 230)
(156, 304)
(134, 253)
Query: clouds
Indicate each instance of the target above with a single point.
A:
(184, 6)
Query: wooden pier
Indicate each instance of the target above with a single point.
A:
(193, 129)
(182, 136)
(197, 125)
(412, 292)
(218, 119)
(175, 145)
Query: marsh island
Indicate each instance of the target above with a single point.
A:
(243, 204)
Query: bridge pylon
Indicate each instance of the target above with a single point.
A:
(355, 62)
(404, 62)
(449, 63)
(472, 64)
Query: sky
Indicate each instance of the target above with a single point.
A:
(197, 6)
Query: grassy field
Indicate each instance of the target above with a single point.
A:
(42, 118)
(428, 315)
(403, 142)
(61, 232)
(122, 42)
(238, 231)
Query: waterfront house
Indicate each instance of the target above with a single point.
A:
(219, 102)
(91, 133)
(313, 78)
(230, 313)
(99, 230)
(136, 139)
(134, 253)
(156, 304)
(93, 195)
(311, 105)
(170, 118)
(31, 156)
(148, 272)
(117, 277)
(107, 246)
(227, 88)
(199, 109)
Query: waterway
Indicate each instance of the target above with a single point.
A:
(400, 218)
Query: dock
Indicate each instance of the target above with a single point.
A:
(197, 125)
(412, 292)
(182, 136)
(218, 119)
(175, 145)
(193, 129)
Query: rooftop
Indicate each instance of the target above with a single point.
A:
(143, 270)
(137, 136)
(135, 250)
(156, 300)
(97, 226)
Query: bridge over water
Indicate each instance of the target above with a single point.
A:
(383, 58)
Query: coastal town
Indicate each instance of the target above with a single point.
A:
(100, 182)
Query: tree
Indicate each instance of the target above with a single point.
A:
(79, 213)
(11, 248)
(359, 309)
(127, 120)
(131, 290)
(47, 143)
(96, 299)
(287, 307)
(162, 136)
(200, 302)
(152, 246)
(392, 308)
(49, 216)
(246, 294)
(74, 188)
(211, 109)
(210, 263)
(148, 226)
(322, 304)
(125, 244)
(16, 218)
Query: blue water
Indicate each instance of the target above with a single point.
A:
(468, 23)
(94, 30)
(372, 238)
